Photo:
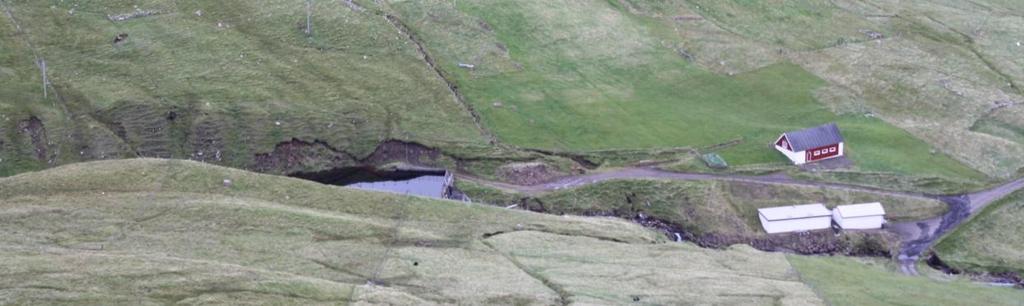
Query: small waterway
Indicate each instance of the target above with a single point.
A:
(434, 183)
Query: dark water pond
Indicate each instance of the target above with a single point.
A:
(421, 182)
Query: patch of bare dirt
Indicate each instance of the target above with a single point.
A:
(297, 154)
(531, 173)
(829, 164)
(402, 151)
(1008, 278)
(33, 129)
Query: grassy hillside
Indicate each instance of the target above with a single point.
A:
(241, 83)
(852, 281)
(220, 81)
(231, 81)
(157, 231)
(990, 242)
(150, 231)
(590, 75)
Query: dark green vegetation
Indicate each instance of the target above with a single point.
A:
(991, 242)
(852, 281)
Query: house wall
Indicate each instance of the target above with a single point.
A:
(869, 222)
(795, 225)
(826, 152)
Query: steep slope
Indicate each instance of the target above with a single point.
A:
(990, 242)
(591, 75)
(219, 81)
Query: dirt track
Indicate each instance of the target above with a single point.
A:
(920, 235)
(916, 236)
(651, 173)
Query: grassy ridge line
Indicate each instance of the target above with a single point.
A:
(170, 176)
(102, 238)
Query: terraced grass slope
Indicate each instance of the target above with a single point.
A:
(990, 242)
(149, 231)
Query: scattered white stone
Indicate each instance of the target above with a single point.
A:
(1018, 44)
(199, 13)
(277, 122)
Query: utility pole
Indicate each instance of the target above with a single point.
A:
(42, 69)
(309, 17)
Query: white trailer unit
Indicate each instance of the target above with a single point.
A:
(859, 216)
(796, 218)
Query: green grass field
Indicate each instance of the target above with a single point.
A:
(590, 75)
(863, 282)
(989, 242)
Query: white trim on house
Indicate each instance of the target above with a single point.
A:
(798, 158)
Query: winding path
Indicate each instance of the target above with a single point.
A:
(917, 236)
(652, 173)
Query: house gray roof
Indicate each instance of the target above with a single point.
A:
(794, 212)
(861, 210)
(814, 137)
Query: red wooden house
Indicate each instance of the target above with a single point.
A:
(812, 144)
